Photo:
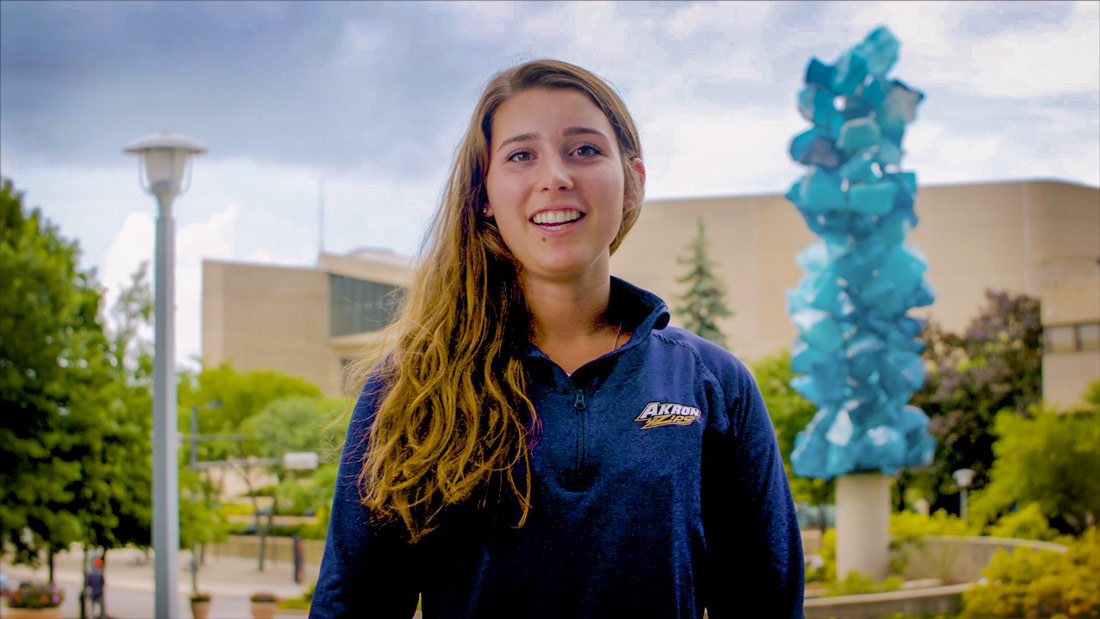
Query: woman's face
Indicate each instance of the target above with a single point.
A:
(555, 184)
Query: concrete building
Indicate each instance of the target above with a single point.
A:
(303, 321)
(1036, 237)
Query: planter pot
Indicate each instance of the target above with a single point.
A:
(263, 610)
(200, 610)
(32, 613)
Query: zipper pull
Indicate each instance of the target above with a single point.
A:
(579, 401)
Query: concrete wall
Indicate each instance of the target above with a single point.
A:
(260, 317)
(956, 559)
(921, 602)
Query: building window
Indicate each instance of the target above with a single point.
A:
(360, 306)
(1088, 336)
(1072, 338)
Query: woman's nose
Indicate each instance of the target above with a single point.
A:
(555, 175)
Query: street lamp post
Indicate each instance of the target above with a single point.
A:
(963, 479)
(165, 157)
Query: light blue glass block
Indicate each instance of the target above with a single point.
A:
(872, 198)
(794, 194)
(859, 167)
(920, 296)
(899, 107)
(828, 376)
(820, 289)
(851, 69)
(874, 91)
(803, 357)
(814, 257)
(857, 134)
(818, 329)
(812, 147)
(880, 50)
(888, 154)
(821, 191)
(819, 73)
(816, 105)
(883, 448)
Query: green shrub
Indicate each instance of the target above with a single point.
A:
(1040, 583)
(1027, 523)
(857, 582)
(235, 509)
(301, 602)
(912, 526)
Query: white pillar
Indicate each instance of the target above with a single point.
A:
(166, 513)
(863, 525)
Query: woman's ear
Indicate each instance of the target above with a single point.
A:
(486, 210)
(639, 171)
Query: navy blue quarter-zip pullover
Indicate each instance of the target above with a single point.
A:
(658, 491)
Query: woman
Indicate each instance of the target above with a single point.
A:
(538, 442)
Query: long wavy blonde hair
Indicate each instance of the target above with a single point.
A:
(455, 415)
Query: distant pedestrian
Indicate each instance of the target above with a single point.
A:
(93, 588)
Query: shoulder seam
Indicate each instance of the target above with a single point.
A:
(698, 360)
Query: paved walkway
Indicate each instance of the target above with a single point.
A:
(129, 582)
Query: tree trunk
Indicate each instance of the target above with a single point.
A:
(49, 561)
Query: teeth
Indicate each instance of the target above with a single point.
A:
(556, 217)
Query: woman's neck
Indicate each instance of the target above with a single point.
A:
(570, 320)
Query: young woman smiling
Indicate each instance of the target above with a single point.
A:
(536, 441)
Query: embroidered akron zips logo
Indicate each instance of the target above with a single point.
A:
(658, 414)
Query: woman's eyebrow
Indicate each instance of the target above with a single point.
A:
(582, 131)
(523, 137)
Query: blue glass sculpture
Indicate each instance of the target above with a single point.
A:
(857, 351)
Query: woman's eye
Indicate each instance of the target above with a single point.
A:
(587, 151)
(520, 156)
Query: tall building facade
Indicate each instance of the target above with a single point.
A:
(1036, 237)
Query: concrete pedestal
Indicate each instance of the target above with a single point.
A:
(863, 525)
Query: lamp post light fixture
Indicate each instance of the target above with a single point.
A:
(963, 479)
(165, 157)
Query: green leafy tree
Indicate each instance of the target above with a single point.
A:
(225, 401)
(53, 374)
(116, 482)
(703, 303)
(1051, 459)
(994, 365)
(296, 424)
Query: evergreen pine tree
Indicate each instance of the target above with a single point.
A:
(703, 303)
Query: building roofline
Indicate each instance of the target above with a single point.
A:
(766, 194)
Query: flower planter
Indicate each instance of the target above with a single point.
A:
(263, 610)
(31, 613)
(200, 610)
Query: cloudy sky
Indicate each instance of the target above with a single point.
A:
(372, 97)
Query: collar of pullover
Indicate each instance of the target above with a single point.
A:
(639, 310)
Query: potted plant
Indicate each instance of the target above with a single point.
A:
(32, 601)
(200, 604)
(263, 604)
